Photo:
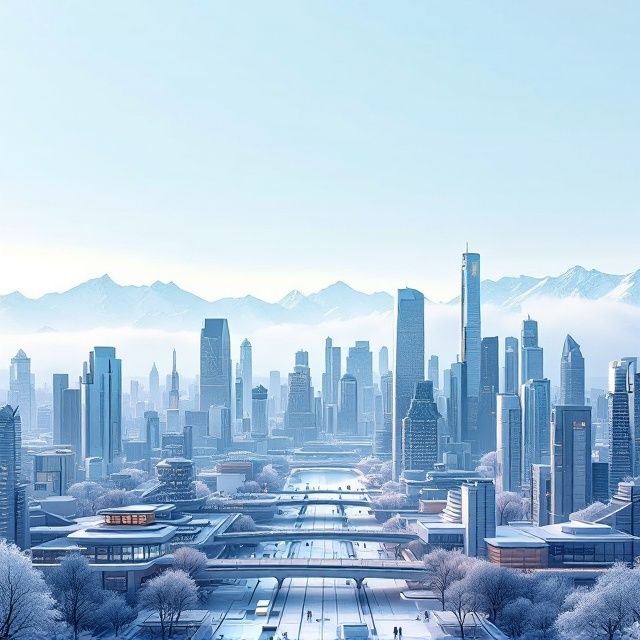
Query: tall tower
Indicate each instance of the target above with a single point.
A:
(532, 357)
(470, 321)
(215, 364)
(433, 372)
(348, 412)
(154, 388)
(360, 365)
(420, 431)
(174, 394)
(60, 383)
(489, 388)
(509, 443)
(71, 422)
(409, 363)
(382, 441)
(14, 510)
(246, 373)
(299, 418)
(259, 418)
(22, 392)
(332, 373)
(511, 366)
(383, 361)
(102, 420)
(536, 421)
(571, 373)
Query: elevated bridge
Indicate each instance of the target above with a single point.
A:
(297, 535)
(294, 501)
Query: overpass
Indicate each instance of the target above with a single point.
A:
(324, 502)
(283, 568)
(295, 535)
(297, 492)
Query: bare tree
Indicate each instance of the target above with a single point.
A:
(26, 605)
(115, 612)
(444, 568)
(77, 590)
(243, 523)
(510, 506)
(169, 595)
(461, 601)
(189, 560)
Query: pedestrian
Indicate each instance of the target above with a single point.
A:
(426, 615)
(395, 633)
(399, 632)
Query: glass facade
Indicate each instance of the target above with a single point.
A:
(594, 554)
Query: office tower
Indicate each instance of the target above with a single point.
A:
(60, 383)
(22, 392)
(360, 365)
(409, 363)
(44, 419)
(622, 420)
(382, 441)
(470, 321)
(239, 396)
(420, 431)
(511, 367)
(330, 420)
(259, 418)
(531, 361)
(154, 388)
(152, 430)
(572, 374)
(299, 417)
(509, 443)
(536, 424)
(489, 388)
(540, 494)
(478, 499)
(14, 511)
(220, 426)
(383, 361)
(174, 394)
(570, 460)
(246, 373)
(274, 389)
(457, 402)
(433, 372)
(71, 421)
(600, 482)
(332, 373)
(102, 420)
(134, 393)
(215, 364)
(348, 411)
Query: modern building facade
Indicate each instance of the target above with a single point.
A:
(382, 442)
(360, 366)
(420, 431)
(348, 408)
(470, 329)
(71, 427)
(259, 418)
(22, 392)
(511, 365)
(154, 389)
(433, 372)
(489, 388)
(540, 494)
(246, 373)
(174, 393)
(409, 363)
(215, 364)
(332, 373)
(572, 374)
(457, 403)
(383, 361)
(299, 418)
(509, 443)
(536, 425)
(531, 362)
(60, 383)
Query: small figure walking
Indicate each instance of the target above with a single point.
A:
(399, 632)
(426, 615)
(395, 633)
(308, 615)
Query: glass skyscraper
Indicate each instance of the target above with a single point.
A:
(531, 360)
(571, 373)
(420, 431)
(470, 325)
(215, 364)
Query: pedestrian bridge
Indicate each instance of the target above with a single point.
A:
(324, 502)
(334, 492)
(295, 535)
(283, 568)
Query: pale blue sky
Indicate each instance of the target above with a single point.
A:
(256, 147)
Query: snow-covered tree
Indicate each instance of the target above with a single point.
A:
(250, 486)
(243, 523)
(495, 587)
(391, 487)
(115, 612)
(444, 568)
(26, 605)
(586, 514)
(514, 618)
(461, 601)
(86, 493)
(395, 523)
(510, 506)
(169, 594)
(189, 560)
(369, 465)
(386, 470)
(130, 478)
(390, 501)
(201, 489)
(488, 466)
(114, 498)
(270, 477)
(78, 592)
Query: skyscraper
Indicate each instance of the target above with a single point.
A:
(154, 388)
(71, 422)
(536, 421)
(382, 442)
(360, 365)
(383, 361)
(570, 460)
(274, 390)
(246, 373)
(409, 363)
(299, 417)
(532, 355)
(511, 367)
(571, 373)
(509, 443)
(102, 420)
(348, 411)
(622, 420)
(489, 388)
(14, 510)
(259, 418)
(433, 372)
(60, 383)
(22, 392)
(332, 373)
(420, 431)
(174, 394)
(457, 402)
(215, 364)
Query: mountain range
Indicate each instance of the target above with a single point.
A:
(101, 302)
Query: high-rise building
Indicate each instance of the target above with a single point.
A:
(299, 418)
(420, 431)
(14, 510)
(383, 361)
(622, 420)
(71, 421)
(215, 364)
(457, 402)
(409, 363)
(536, 423)
(22, 392)
(532, 356)
(239, 395)
(60, 383)
(102, 419)
(274, 389)
(360, 365)
(478, 499)
(600, 482)
(489, 388)
(571, 374)
(332, 373)
(246, 373)
(470, 321)
(382, 442)
(511, 367)
(509, 443)
(44, 419)
(348, 411)
(570, 460)
(259, 418)
(540, 494)
(154, 389)
(174, 394)
(433, 372)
